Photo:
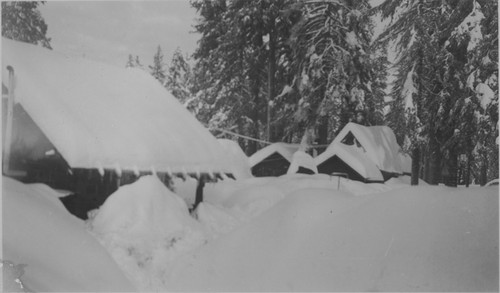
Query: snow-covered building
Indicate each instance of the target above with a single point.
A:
(362, 147)
(77, 122)
(272, 160)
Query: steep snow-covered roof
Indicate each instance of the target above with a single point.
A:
(379, 144)
(284, 149)
(106, 117)
(302, 159)
(354, 157)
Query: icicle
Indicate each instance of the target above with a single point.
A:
(211, 175)
(118, 170)
(50, 152)
(100, 169)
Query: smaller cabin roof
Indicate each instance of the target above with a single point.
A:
(286, 150)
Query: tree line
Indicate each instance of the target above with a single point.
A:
(285, 70)
(275, 70)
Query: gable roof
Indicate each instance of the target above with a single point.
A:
(354, 157)
(286, 150)
(379, 144)
(106, 117)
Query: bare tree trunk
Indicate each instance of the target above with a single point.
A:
(484, 170)
(252, 145)
(415, 165)
(322, 133)
(434, 163)
(452, 163)
(271, 78)
(467, 171)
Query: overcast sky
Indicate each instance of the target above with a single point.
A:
(109, 31)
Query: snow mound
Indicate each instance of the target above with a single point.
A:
(146, 210)
(52, 246)
(407, 239)
(144, 225)
(216, 220)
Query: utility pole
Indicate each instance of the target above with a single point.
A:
(8, 126)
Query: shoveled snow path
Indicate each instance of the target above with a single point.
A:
(408, 239)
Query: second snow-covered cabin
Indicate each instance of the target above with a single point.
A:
(272, 160)
(89, 127)
(357, 145)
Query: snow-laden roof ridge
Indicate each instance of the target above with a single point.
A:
(94, 112)
(284, 149)
(379, 142)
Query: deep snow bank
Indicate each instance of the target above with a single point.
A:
(407, 239)
(144, 226)
(58, 252)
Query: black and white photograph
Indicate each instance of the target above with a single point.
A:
(250, 146)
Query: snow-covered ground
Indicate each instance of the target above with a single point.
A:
(291, 233)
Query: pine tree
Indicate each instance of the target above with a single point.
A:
(130, 62)
(241, 65)
(137, 63)
(134, 62)
(157, 70)
(333, 65)
(435, 41)
(179, 79)
(22, 21)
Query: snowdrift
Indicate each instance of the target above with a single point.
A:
(143, 225)
(290, 233)
(407, 239)
(59, 254)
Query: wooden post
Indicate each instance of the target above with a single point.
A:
(199, 191)
(10, 114)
